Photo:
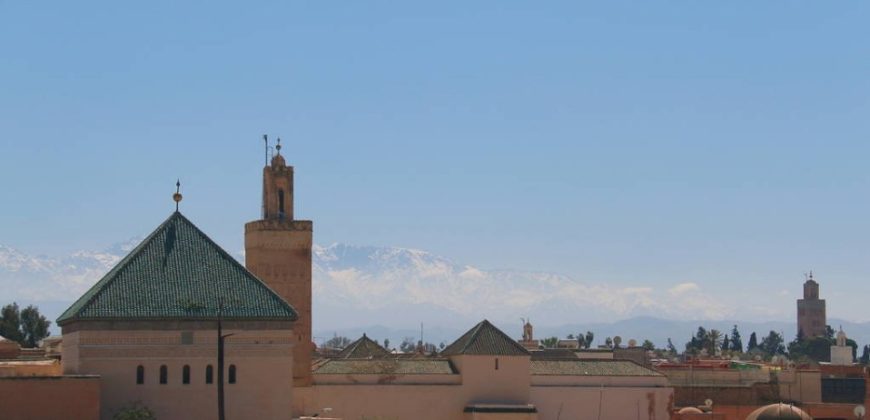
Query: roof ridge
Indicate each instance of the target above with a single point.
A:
(507, 338)
(476, 331)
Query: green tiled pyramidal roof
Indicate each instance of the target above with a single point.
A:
(485, 339)
(178, 272)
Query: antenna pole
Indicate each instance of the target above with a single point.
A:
(266, 155)
(263, 197)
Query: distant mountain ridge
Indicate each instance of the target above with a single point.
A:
(395, 289)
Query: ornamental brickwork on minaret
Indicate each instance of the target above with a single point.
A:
(278, 251)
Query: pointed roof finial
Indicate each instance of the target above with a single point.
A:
(811, 274)
(177, 196)
(278, 146)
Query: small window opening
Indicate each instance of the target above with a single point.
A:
(496, 363)
(209, 374)
(140, 375)
(185, 375)
(232, 374)
(163, 374)
(281, 203)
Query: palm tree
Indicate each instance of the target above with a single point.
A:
(713, 341)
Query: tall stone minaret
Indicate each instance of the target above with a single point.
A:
(811, 313)
(278, 251)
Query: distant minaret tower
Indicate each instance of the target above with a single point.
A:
(278, 251)
(811, 316)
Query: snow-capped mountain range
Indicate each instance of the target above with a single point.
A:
(377, 283)
(393, 290)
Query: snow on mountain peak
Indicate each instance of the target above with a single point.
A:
(375, 282)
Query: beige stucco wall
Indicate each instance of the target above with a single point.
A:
(800, 385)
(15, 368)
(263, 360)
(585, 402)
(501, 416)
(447, 402)
(444, 397)
(716, 377)
(383, 402)
(50, 397)
(483, 383)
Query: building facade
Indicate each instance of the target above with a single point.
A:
(149, 329)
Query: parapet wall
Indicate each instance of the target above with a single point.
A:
(50, 397)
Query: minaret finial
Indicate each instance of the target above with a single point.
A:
(177, 196)
(278, 146)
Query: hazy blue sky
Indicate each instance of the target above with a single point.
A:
(636, 143)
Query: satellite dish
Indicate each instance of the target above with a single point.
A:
(859, 411)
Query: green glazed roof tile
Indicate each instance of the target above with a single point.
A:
(178, 272)
(590, 367)
(363, 348)
(385, 367)
(485, 339)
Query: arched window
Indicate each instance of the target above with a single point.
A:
(232, 375)
(163, 374)
(185, 375)
(281, 203)
(140, 375)
(209, 374)
(496, 363)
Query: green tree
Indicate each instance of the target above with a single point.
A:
(753, 342)
(648, 345)
(408, 345)
(773, 344)
(337, 342)
(817, 349)
(581, 341)
(590, 336)
(726, 343)
(671, 348)
(829, 332)
(736, 341)
(713, 341)
(701, 336)
(865, 355)
(608, 342)
(550, 342)
(34, 326)
(10, 323)
(387, 343)
(617, 341)
(854, 345)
